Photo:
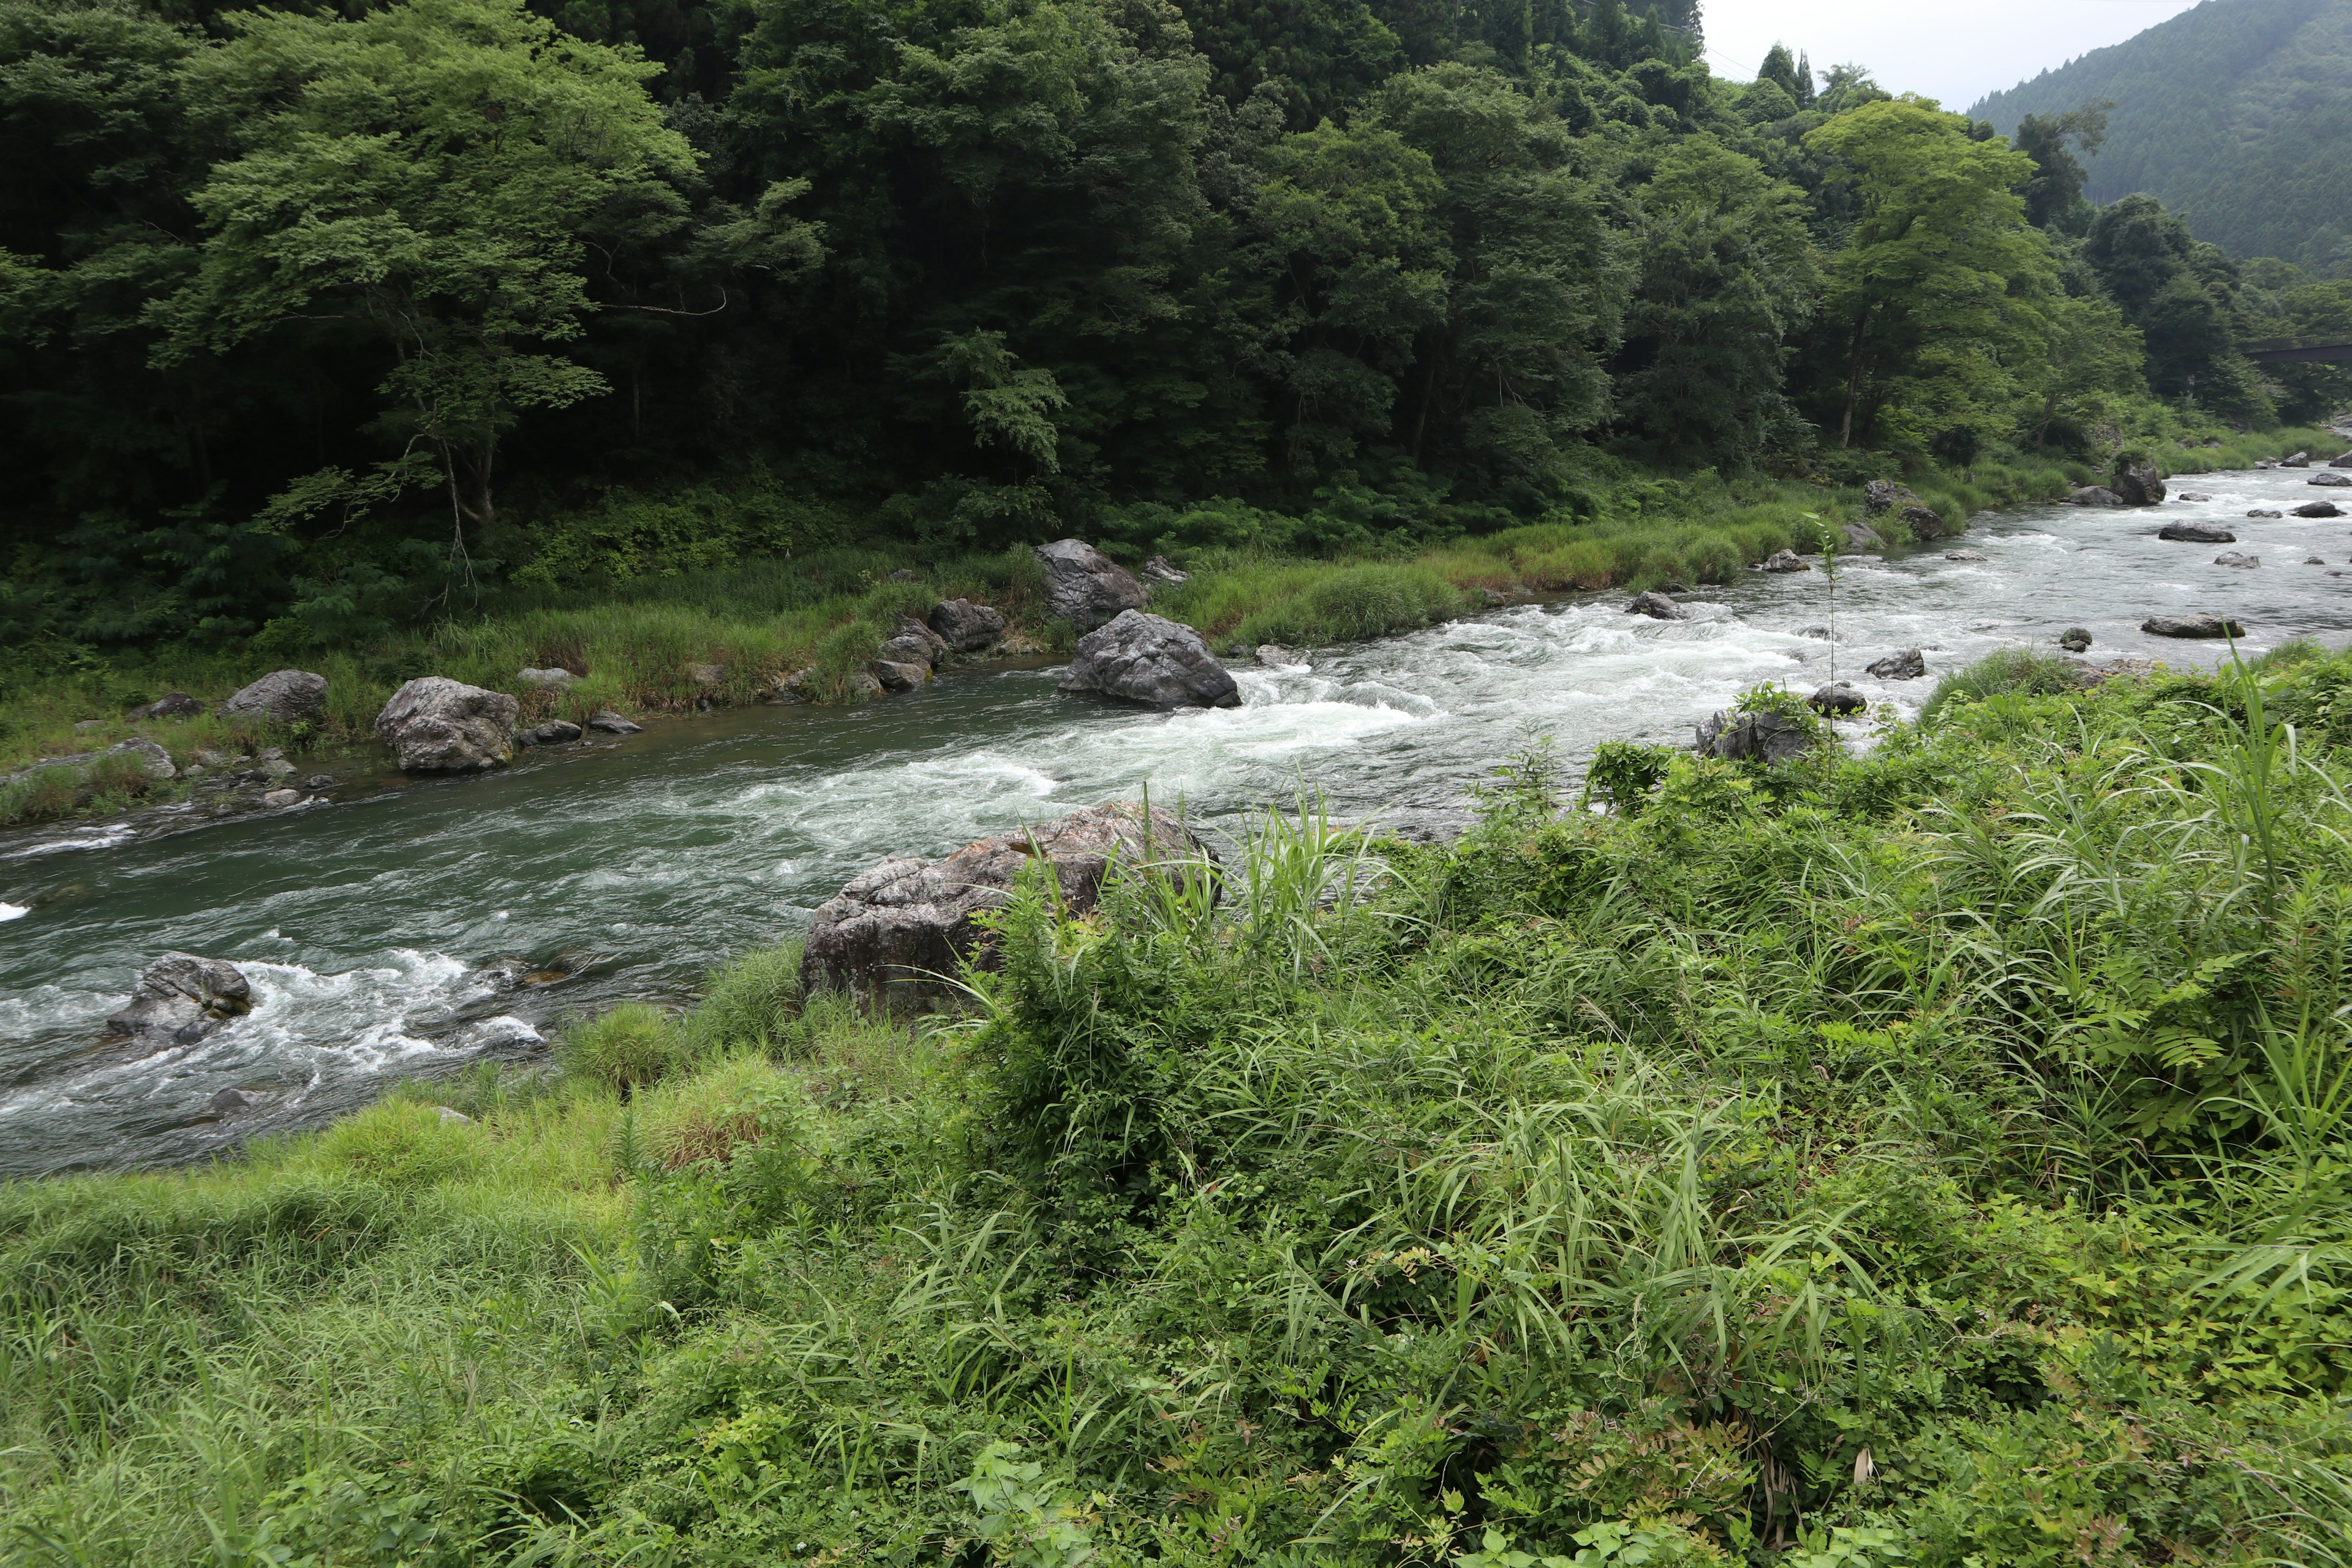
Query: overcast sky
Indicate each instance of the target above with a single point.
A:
(1955, 50)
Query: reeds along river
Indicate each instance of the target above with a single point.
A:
(365, 924)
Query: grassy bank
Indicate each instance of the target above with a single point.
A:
(1935, 1158)
(635, 645)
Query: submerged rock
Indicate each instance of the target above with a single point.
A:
(434, 724)
(2192, 627)
(2232, 558)
(1963, 555)
(282, 697)
(2075, 639)
(1757, 737)
(180, 999)
(965, 626)
(1657, 606)
(1907, 664)
(1085, 588)
(899, 930)
(1143, 657)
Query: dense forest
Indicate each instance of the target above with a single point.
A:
(316, 323)
(2237, 114)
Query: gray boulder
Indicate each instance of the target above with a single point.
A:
(2343, 462)
(1837, 701)
(965, 626)
(1144, 658)
(1782, 561)
(1657, 606)
(554, 732)
(2330, 479)
(607, 722)
(2191, 496)
(1753, 737)
(2232, 558)
(1857, 537)
(1085, 588)
(915, 643)
(434, 724)
(2075, 639)
(1910, 664)
(2295, 460)
(1964, 555)
(1885, 495)
(282, 697)
(2197, 533)
(156, 762)
(2094, 495)
(1924, 523)
(2192, 627)
(279, 799)
(1273, 655)
(552, 679)
(171, 705)
(1158, 573)
(2261, 511)
(2319, 509)
(2137, 483)
(180, 999)
(897, 675)
(898, 931)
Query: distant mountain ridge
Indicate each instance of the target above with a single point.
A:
(2237, 113)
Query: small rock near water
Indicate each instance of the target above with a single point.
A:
(1085, 588)
(897, 675)
(2329, 478)
(2232, 558)
(2192, 495)
(180, 999)
(706, 675)
(2259, 511)
(899, 930)
(608, 722)
(2075, 639)
(1963, 555)
(2312, 561)
(1753, 737)
(1657, 606)
(2095, 495)
(1782, 561)
(915, 643)
(554, 732)
(1143, 657)
(1886, 495)
(1273, 655)
(282, 697)
(319, 782)
(552, 678)
(279, 799)
(434, 724)
(1857, 537)
(171, 705)
(1837, 700)
(229, 1101)
(2192, 627)
(2295, 460)
(2343, 462)
(965, 626)
(153, 760)
(1908, 664)
(2197, 533)
(2319, 509)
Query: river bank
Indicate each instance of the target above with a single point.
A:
(668, 647)
(1807, 1167)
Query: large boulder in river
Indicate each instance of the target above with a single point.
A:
(282, 697)
(2197, 533)
(2094, 495)
(2137, 483)
(1753, 737)
(1904, 664)
(1837, 700)
(2319, 509)
(2327, 479)
(434, 724)
(2343, 462)
(915, 643)
(1657, 606)
(898, 931)
(1144, 658)
(179, 1000)
(1085, 588)
(965, 626)
(2192, 627)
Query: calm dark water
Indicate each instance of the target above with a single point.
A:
(364, 924)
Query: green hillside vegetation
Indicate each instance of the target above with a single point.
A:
(2237, 115)
(1935, 1158)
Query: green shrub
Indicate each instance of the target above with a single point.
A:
(626, 1049)
(1354, 604)
(752, 1001)
(400, 1142)
(2016, 671)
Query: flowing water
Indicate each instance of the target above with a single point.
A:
(370, 927)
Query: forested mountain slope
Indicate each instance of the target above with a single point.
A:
(2238, 113)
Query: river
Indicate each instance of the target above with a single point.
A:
(364, 923)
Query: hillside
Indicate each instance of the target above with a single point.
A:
(2237, 112)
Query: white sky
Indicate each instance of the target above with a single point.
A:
(1955, 50)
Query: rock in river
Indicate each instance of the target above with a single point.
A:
(2137, 484)
(554, 732)
(1782, 561)
(897, 675)
(2319, 509)
(1085, 588)
(434, 724)
(1766, 737)
(607, 722)
(2075, 639)
(2330, 479)
(1144, 658)
(1837, 700)
(2191, 496)
(965, 626)
(179, 1000)
(1657, 606)
(1963, 555)
(2095, 495)
(282, 697)
(1908, 664)
(2232, 558)
(899, 930)
(2192, 627)
(915, 643)
(2197, 533)
(2260, 511)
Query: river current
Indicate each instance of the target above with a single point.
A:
(372, 926)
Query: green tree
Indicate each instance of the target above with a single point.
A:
(2183, 294)
(1939, 295)
(1727, 274)
(437, 174)
(2054, 197)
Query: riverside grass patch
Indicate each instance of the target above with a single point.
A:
(1933, 1157)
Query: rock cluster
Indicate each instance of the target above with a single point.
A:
(1144, 658)
(180, 999)
(900, 931)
